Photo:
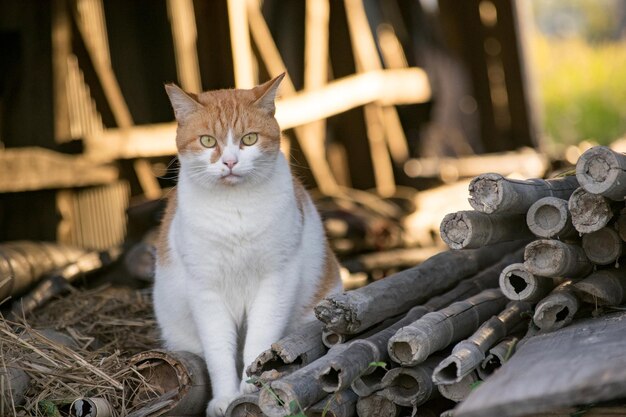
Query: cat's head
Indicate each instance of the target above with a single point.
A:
(227, 137)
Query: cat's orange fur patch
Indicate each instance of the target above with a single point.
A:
(162, 245)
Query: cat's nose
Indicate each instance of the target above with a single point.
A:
(230, 162)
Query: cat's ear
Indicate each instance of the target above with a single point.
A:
(265, 94)
(182, 103)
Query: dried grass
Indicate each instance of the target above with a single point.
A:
(103, 327)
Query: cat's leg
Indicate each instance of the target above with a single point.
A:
(268, 316)
(217, 331)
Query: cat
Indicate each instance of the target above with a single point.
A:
(241, 244)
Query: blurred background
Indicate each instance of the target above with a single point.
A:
(389, 107)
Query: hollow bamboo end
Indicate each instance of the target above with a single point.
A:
(603, 247)
(456, 366)
(405, 349)
(245, 406)
(455, 230)
(556, 311)
(486, 193)
(406, 386)
(91, 407)
(275, 402)
(598, 169)
(590, 212)
(548, 217)
(459, 390)
(544, 257)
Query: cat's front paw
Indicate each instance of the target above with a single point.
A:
(247, 387)
(217, 406)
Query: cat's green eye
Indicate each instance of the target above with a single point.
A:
(208, 141)
(250, 139)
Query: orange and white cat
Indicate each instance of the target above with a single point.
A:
(242, 253)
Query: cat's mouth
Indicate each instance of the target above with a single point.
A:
(230, 178)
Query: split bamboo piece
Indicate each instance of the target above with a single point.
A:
(459, 391)
(497, 355)
(590, 212)
(246, 405)
(343, 370)
(412, 344)
(468, 355)
(553, 258)
(473, 229)
(517, 283)
(339, 404)
(549, 217)
(368, 383)
(601, 170)
(299, 348)
(91, 407)
(181, 375)
(603, 247)
(411, 386)
(377, 405)
(606, 287)
(359, 309)
(557, 309)
(493, 193)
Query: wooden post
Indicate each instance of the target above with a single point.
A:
(601, 170)
(411, 386)
(493, 193)
(557, 309)
(497, 355)
(473, 229)
(246, 405)
(606, 287)
(603, 247)
(412, 344)
(553, 258)
(549, 218)
(590, 212)
(517, 283)
(468, 355)
(459, 391)
(359, 309)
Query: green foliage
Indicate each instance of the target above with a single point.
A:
(378, 364)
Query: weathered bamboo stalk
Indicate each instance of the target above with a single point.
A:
(246, 405)
(553, 258)
(411, 386)
(621, 224)
(493, 193)
(601, 170)
(590, 212)
(394, 258)
(368, 383)
(549, 218)
(603, 247)
(557, 309)
(342, 370)
(303, 347)
(606, 287)
(468, 355)
(182, 375)
(497, 355)
(473, 229)
(377, 405)
(91, 407)
(517, 283)
(412, 344)
(339, 404)
(459, 391)
(359, 309)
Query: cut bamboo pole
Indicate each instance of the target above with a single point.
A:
(339, 404)
(590, 212)
(412, 344)
(412, 386)
(473, 229)
(91, 407)
(246, 405)
(368, 383)
(359, 309)
(549, 218)
(468, 355)
(606, 287)
(182, 374)
(343, 370)
(377, 405)
(553, 258)
(517, 283)
(459, 391)
(331, 338)
(557, 309)
(493, 193)
(601, 170)
(603, 247)
(497, 355)
(300, 348)
(621, 224)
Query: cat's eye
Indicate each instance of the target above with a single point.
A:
(208, 141)
(250, 139)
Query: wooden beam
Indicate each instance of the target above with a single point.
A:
(240, 43)
(184, 34)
